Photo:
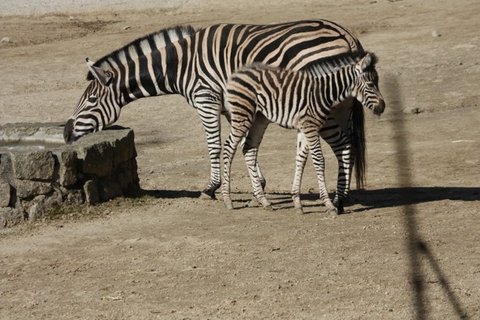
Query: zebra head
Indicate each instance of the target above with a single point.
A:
(366, 85)
(98, 107)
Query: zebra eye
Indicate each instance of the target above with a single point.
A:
(92, 99)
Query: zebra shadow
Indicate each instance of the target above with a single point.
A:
(168, 194)
(393, 197)
(385, 198)
(366, 199)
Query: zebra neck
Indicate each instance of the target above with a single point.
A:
(153, 74)
(337, 86)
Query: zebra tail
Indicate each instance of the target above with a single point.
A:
(358, 143)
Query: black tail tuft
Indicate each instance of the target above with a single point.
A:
(358, 143)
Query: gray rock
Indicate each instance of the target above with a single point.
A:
(37, 165)
(90, 189)
(53, 200)
(35, 209)
(10, 217)
(124, 149)
(28, 189)
(68, 167)
(98, 159)
(110, 188)
(74, 197)
(6, 171)
(5, 191)
(97, 167)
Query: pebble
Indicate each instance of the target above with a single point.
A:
(435, 34)
(5, 40)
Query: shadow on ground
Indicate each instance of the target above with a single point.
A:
(368, 199)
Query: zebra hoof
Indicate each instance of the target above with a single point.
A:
(340, 209)
(253, 203)
(268, 207)
(300, 211)
(208, 195)
(228, 204)
(332, 211)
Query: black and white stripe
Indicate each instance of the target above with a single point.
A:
(294, 99)
(197, 64)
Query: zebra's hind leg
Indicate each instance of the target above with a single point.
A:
(250, 160)
(250, 152)
(229, 149)
(313, 140)
(300, 160)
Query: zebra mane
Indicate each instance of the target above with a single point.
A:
(161, 38)
(332, 64)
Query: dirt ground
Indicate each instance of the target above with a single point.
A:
(170, 255)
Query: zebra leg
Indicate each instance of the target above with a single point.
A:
(340, 144)
(300, 160)
(210, 117)
(238, 131)
(229, 149)
(313, 140)
(250, 152)
(342, 151)
(263, 181)
(334, 132)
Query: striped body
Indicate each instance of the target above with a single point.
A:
(197, 64)
(294, 100)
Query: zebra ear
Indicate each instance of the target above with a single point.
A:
(367, 61)
(103, 76)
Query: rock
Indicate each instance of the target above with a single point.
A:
(97, 167)
(6, 171)
(124, 149)
(5, 194)
(38, 165)
(35, 208)
(74, 197)
(416, 110)
(68, 168)
(90, 189)
(5, 40)
(98, 159)
(435, 34)
(10, 217)
(110, 188)
(28, 189)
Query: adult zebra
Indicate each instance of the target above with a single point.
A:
(197, 64)
(294, 99)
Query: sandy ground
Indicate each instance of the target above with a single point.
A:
(170, 255)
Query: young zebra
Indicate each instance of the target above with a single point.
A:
(294, 99)
(197, 64)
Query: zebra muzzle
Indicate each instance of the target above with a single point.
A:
(379, 108)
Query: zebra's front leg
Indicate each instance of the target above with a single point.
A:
(341, 147)
(345, 166)
(300, 160)
(211, 124)
(313, 140)
(340, 144)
